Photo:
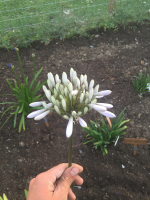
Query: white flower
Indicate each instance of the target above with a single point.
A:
(98, 97)
(47, 106)
(81, 79)
(55, 93)
(106, 105)
(85, 78)
(65, 117)
(64, 78)
(71, 74)
(85, 110)
(51, 77)
(49, 84)
(53, 100)
(63, 104)
(86, 85)
(86, 101)
(103, 93)
(96, 89)
(74, 92)
(86, 94)
(79, 113)
(57, 110)
(57, 78)
(70, 87)
(69, 128)
(97, 108)
(82, 122)
(108, 114)
(66, 91)
(47, 93)
(41, 116)
(74, 113)
(35, 104)
(90, 94)
(91, 84)
(78, 83)
(35, 113)
(81, 98)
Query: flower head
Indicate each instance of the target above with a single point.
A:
(15, 49)
(71, 99)
(10, 65)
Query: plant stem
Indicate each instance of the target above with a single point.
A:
(16, 76)
(34, 73)
(21, 65)
(70, 151)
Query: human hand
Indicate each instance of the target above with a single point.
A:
(55, 183)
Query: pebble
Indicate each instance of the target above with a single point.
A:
(123, 166)
(21, 144)
(80, 151)
(96, 36)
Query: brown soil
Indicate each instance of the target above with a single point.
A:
(112, 62)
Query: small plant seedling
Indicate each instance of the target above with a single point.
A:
(105, 134)
(140, 83)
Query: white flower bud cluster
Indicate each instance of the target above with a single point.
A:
(71, 99)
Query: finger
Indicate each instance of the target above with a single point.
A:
(71, 195)
(31, 183)
(56, 172)
(78, 180)
(64, 183)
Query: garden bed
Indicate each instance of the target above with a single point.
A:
(111, 59)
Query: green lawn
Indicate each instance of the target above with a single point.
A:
(24, 21)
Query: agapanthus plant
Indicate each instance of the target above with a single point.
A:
(24, 93)
(71, 99)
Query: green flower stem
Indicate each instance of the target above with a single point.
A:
(21, 65)
(34, 73)
(16, 76)
(70, 151)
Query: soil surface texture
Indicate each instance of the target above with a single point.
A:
(111, 59)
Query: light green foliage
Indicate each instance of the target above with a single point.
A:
(24, 21)
(140, 83)
(24, 96)
(4, 197)
(26, 193)
(102, 135)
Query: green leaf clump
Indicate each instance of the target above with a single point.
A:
(102, 135)
(141, 82)
(24, 93)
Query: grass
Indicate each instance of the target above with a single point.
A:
(24, 21)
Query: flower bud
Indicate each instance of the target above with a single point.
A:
(96, 89)
(51, 77)
(85, 110)
(53, 100)
(57, 78)
(65, 117)
(78, 83)
(57, 103)
(63, 104)
(57, 110)
(71, 74)
(64, 78)
(87, 94)
(81, 79)
(79, 113)
(81, 98)
(49, 84)
(86, 101)
(91, 94)
(74, 92)
(91, 84)
(70, 87)
(33, 55)
(55, 93)
(74, 113)
(66, 91)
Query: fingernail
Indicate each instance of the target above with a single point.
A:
(74, 171)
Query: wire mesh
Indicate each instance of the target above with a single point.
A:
(28, 20)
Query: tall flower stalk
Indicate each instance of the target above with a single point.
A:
(72, 99)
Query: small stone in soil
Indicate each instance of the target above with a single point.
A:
(105, 197)
(21, 144)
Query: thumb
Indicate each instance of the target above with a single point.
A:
(64, 183)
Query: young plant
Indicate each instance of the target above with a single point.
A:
(24, 94)
(105, 134)
(141, 82)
